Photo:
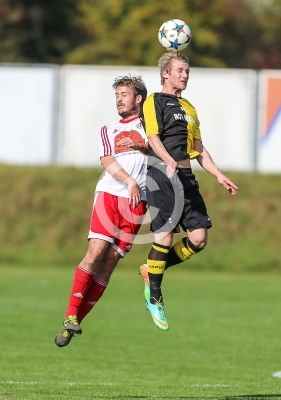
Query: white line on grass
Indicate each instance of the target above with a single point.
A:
(60, 383)
(100, 383)
(215, 385)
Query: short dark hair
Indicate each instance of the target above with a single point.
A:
(136, 83)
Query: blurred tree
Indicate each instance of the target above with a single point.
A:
(37, 30)
(250, 34)
(125, 32)
(226, 33)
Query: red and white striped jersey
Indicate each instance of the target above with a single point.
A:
(132, 161)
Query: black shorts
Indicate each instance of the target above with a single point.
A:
(175, 202)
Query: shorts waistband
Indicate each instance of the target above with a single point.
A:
(181, 168)
(163, 163)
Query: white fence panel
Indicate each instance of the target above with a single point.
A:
(224, 100)
(239, 111)
(27, 114)
(87, 103)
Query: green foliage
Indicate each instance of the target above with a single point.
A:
(223, 341)
(232, 33)
(45, 214)
(225, 34)
(33, 31)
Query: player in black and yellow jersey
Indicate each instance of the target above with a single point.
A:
(173, 196)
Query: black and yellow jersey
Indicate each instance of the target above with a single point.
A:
(175, 120)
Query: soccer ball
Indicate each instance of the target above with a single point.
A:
(174, 35)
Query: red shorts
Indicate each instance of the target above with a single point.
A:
(114, 220)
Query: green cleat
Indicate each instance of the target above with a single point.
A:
(144, 274)
(63, 338)
(158, 315)
(71, 325)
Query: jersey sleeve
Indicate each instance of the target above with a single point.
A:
(195, 134)
(105, 148)
(150, 116)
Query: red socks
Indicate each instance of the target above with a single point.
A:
(81, 283)
(86, 291)
(93, 295)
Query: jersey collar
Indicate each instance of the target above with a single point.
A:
(125, 121)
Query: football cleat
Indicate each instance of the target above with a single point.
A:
(71, 325)
(158, 315)
(144, 274)
(63, 338)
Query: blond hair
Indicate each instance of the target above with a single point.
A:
(165, 62)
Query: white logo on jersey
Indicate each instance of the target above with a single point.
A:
(190, 118)
(78, 295)
(179, 116)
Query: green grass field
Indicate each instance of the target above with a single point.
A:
(47, 209)
(224, 313)
(224, 340)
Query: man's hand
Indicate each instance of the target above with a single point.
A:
(134, 192)
(131, 144)
(128, 142)
(171, 168)
(227, 183)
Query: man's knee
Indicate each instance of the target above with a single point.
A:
(200, 243)
(199, 238)
(94, 254)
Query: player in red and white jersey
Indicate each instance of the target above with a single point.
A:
(114, 140)
(119, 204)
